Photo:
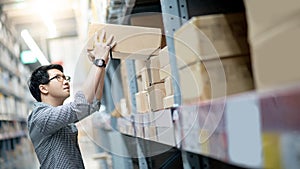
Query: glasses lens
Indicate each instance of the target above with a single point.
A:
(61, 78)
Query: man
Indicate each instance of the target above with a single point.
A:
(51, 123)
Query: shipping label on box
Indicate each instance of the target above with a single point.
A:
(133, 42)
(211, 36)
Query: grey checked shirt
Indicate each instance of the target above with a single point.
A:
(54, 134)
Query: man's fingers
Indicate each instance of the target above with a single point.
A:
(110, 39)
(103, 36)
(95, 37)
(113, 44)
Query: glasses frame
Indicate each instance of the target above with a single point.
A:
(60, 78)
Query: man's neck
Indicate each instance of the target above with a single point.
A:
(53, 101)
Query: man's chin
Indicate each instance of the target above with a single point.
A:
(67, 96)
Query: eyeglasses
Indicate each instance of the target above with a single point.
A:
(60, 78)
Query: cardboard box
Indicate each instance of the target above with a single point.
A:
(230, 76)
(165, 72)
(140, 83)
(156, 94)
(139, 65)
(154, 67)
(142, 102)
(153, 20)
(168, 101)
(133, 42)
(274, 38)
(169, 86)
(150, 73)
(276, 60)
(149, 19)
(210, 37)
(164, 58)
(145, 79)
(260, 21)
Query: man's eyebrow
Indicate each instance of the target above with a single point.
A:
(59, 74)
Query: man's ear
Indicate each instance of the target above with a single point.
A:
(43, 89)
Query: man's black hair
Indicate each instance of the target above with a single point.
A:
(40, 76)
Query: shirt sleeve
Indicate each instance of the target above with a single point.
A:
(50, 119)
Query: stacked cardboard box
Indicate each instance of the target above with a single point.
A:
(153, 89)
(169, 99)
(213, 57)
(166, 76)
(274, 40)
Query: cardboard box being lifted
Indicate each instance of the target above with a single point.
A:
(133, 42)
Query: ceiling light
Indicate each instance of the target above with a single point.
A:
(34, 47)
(45, 10)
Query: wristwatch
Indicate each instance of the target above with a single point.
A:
(99, 62)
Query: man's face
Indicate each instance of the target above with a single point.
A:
(58, 87)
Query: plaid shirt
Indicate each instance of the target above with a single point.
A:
(54, 134)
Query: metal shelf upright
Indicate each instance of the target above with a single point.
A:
(174, 15)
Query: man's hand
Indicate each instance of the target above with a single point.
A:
(101, 47)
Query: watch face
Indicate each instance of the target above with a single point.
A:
(100, 62)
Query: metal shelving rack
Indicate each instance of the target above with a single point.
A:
(13, 126)
(251, 124)
(175, 13)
